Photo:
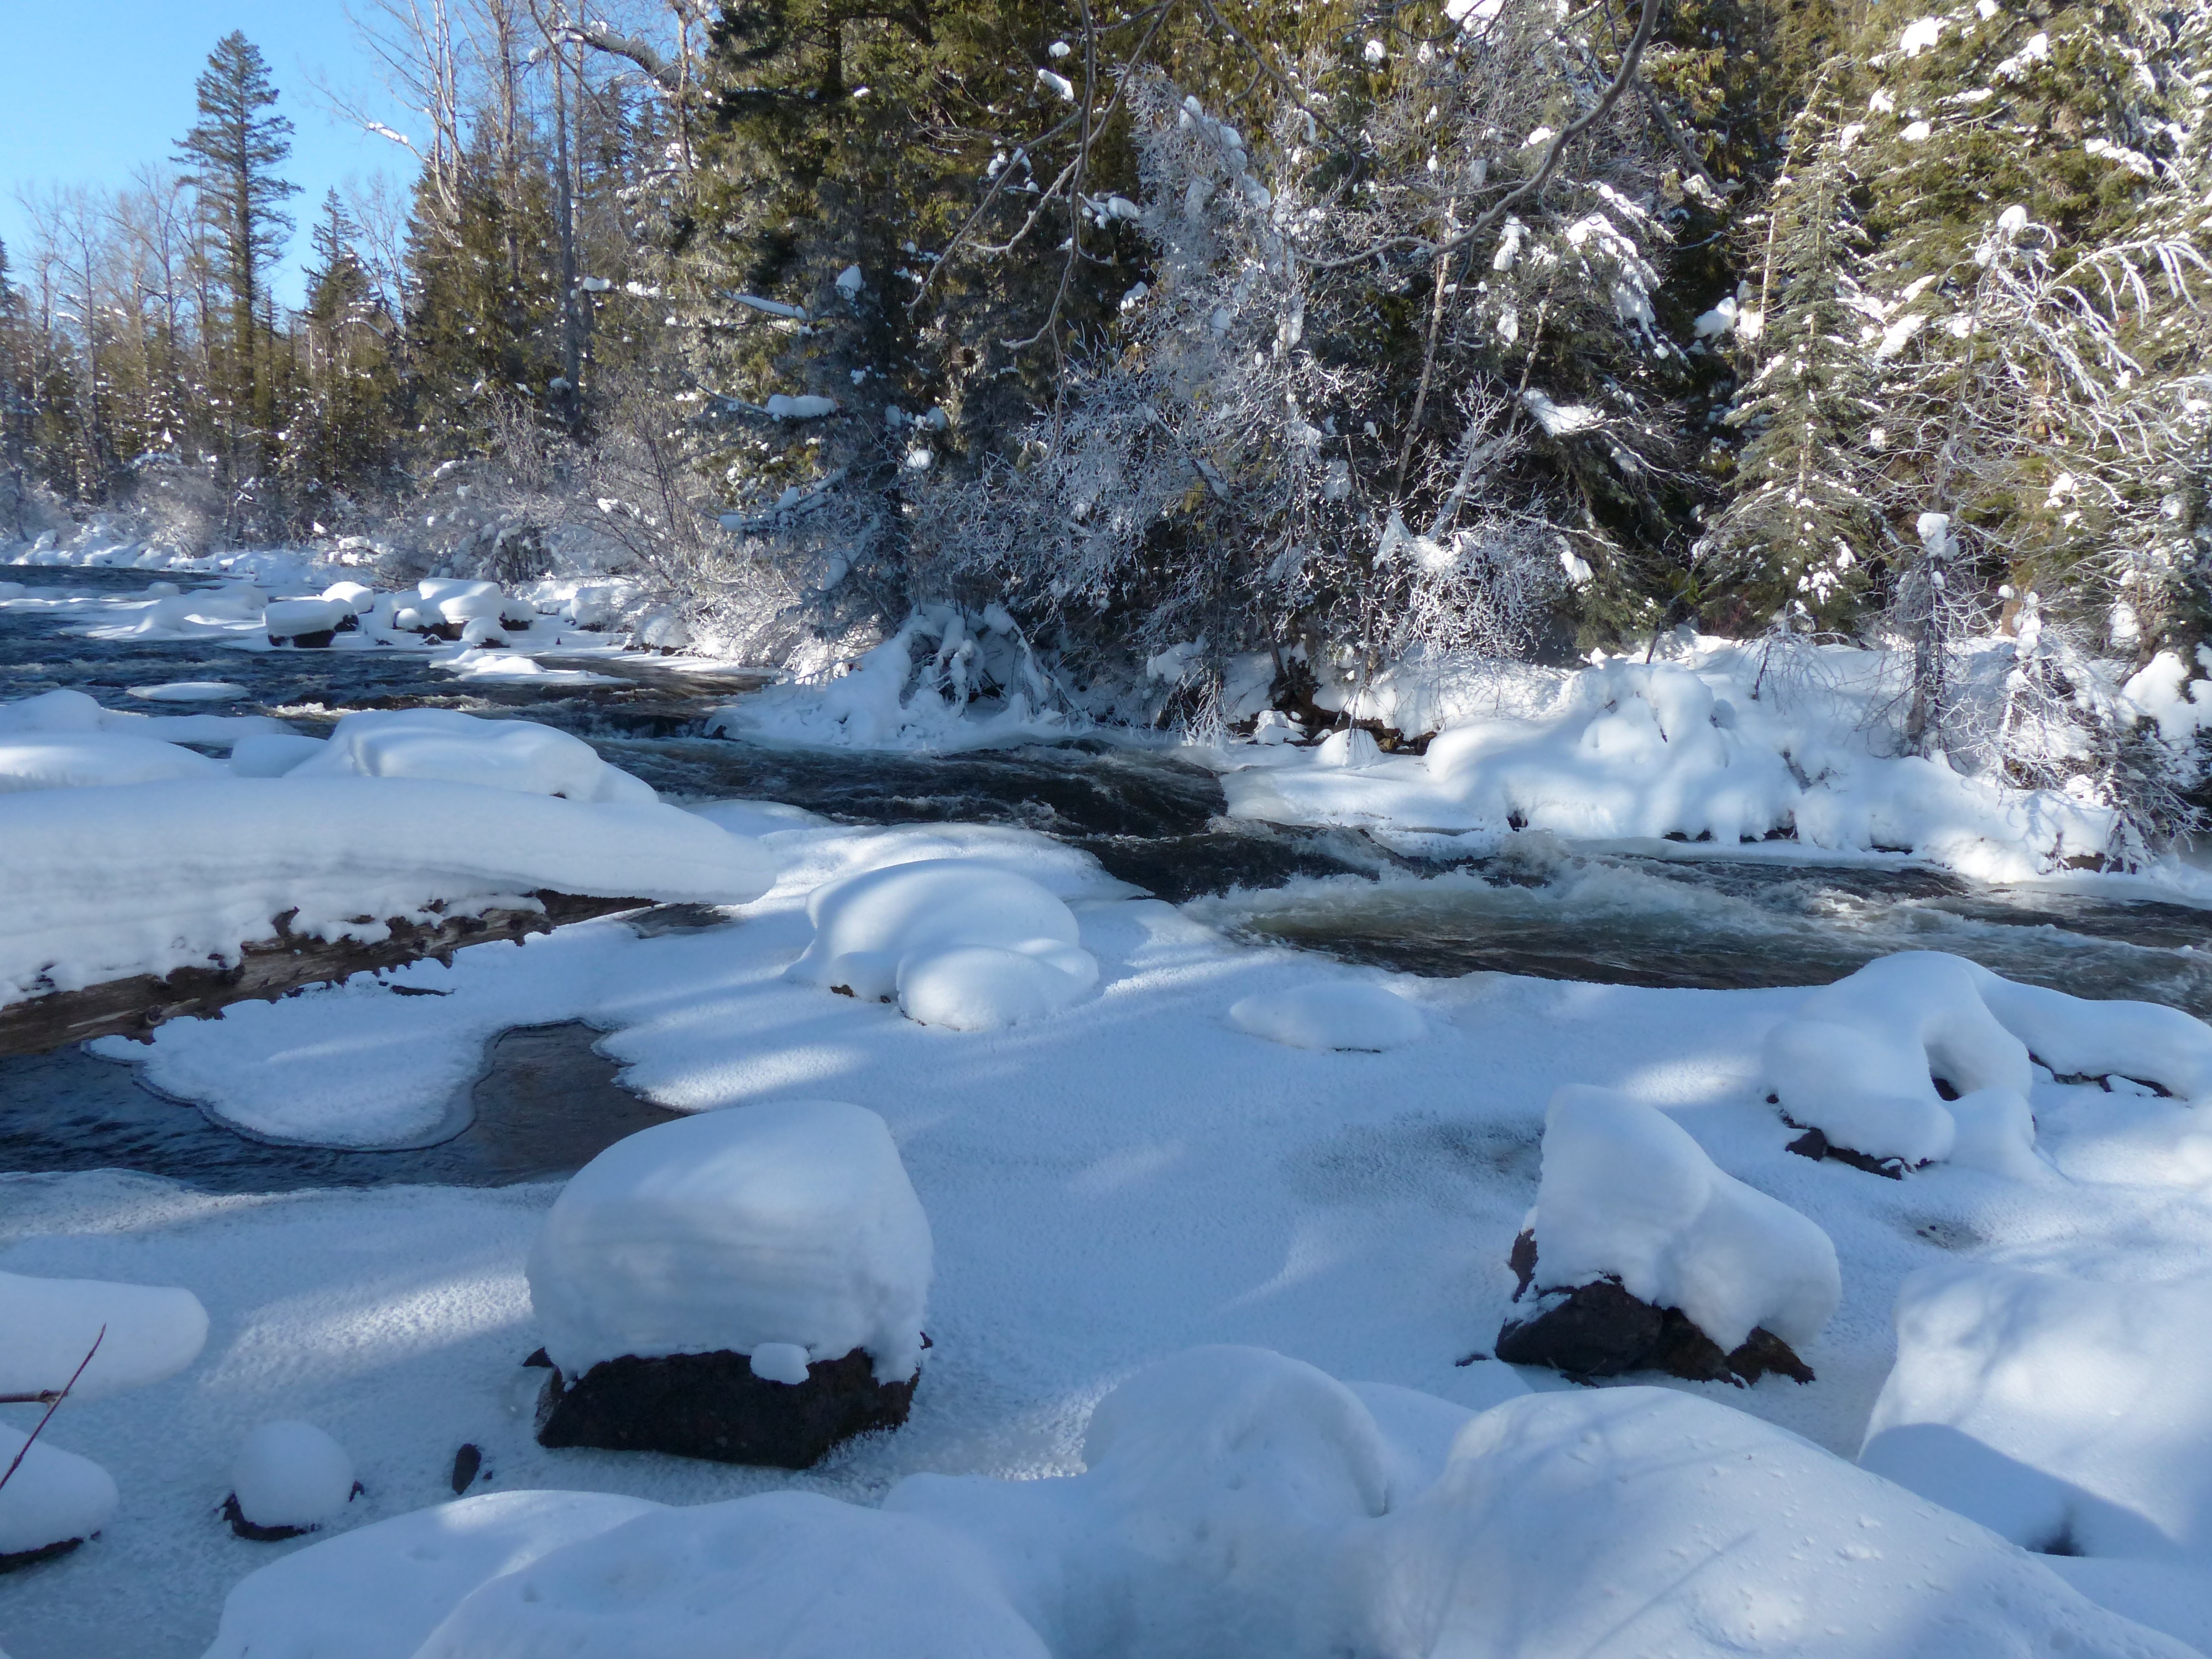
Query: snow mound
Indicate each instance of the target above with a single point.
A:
(1642, 1521)
(72, 713)
(1626, 1193)
(1858, 1059)
(1725, 744)
(147, 878)
(54, 1495)
(97, 759)
(2064, 1414)
(1634, 748)
(959, 943)
(378, 1592)
(1332, 1014)
(785, 1575)
(449, 747)
(272, 755)
(291, 1475)
(791, 1222)
(50, 1325)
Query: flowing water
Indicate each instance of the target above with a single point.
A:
(1149, 816)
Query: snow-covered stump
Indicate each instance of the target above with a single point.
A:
(746, 1285)
(1921, 1058)
(1654, 1259)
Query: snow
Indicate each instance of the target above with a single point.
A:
(441, 744)
(379, 1591)
(785, 408)
(191, 691)
(1544, 1536)
(1332, 1014)
(958, 943)
(919, 690)
(2061, 1411)
(1723, 743)
(1628, 1194)
(273, 754)
(789, 1223)
(748, 1577)
(74, 714)
(780, 1362)
(142, 878)
(291, 1475)
(98, 759)
(285, 619)
(53, 1496)
(145, 1333)
(1858, 1059)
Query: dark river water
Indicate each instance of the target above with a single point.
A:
(546, 1102)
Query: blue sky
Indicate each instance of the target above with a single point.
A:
(91, 88)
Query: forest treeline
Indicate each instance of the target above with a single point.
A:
(1186, 331)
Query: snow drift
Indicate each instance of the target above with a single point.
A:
(959, 942)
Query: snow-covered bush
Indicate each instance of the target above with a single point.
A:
(1628, 1195)
(791, 1223)
(2071, 1417)
(959, 942)
(1859, 1060)
(1336, 1013)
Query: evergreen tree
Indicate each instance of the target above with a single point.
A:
(232, 156)
(341, 436)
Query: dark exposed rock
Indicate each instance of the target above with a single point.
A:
(16, 1561)
(1598, 1329)
(1814, 1144)
(712, 1405)
(261, 1534)
(537, 1360)
(467, 1463)
(314, 642)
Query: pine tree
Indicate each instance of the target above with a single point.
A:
(232, 156)
(340, 438)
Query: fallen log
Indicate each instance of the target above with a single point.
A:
(271, 968)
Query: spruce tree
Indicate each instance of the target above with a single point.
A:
(232, 157)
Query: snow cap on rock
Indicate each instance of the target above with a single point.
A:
(1628, 1193)
(291, 1475)
(790, 1223)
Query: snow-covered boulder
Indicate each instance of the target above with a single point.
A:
(686, 1249)
(304, 621)
(1353, 748)
(959, 943)
(783, 1575)
(357, 597)
(51, 712)
(377, 1592)
(1860, 1061)
(2069, 1416)
(47, 1326)
(95, 759)
(441, 744)
(289, 1478)
(1335, 1013)
(1632, 1219)
(190, 691)
(53, 1502)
